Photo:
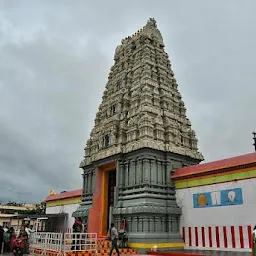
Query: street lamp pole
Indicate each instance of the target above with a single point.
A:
(254, 139)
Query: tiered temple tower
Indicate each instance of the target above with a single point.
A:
(141, 135)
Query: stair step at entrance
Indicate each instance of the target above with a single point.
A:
(104, 243)
(114, 254)
(82, 253)
(125, 251)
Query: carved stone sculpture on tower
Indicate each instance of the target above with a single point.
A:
(142, 82)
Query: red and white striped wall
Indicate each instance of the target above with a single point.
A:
(228, 238)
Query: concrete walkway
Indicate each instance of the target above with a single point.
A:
(199, 253)
(217, 253)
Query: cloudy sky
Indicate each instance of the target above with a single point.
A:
(54, 61)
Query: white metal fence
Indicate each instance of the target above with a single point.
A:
(80, 242)
(39, 242)
(46, 241)
(63, 243)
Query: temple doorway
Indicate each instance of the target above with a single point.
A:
(110, 196)
(100, 215)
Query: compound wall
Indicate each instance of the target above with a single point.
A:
(218, 216)
(69, 209)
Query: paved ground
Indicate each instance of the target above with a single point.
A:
(193, 253)
(217, 253)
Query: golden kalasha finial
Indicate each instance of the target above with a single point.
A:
(52, 192)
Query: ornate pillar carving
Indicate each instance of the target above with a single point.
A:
(172, 224)
(89, 182)
(163, 224)
(136, 224)
(126, 179)
(158, 224)
(86, 183)
(145, 224)
(169, 224)
(151, 224)
(118, 222)
(140, 224)
(154, 171)
(121, 175)
(160, 173)
(129, 223)
(146, 171)
(117, 173)
(177, 224)
(135, 172)
(168, 172)
(83, 175)
(132, 173)
(140, 171)
(93, 180)
(164, 179)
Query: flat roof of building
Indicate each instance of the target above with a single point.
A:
(64, 195)
(222, 164)
(38, 216)
(6, 215)
(17, 207)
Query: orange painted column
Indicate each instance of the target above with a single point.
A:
(96, 221)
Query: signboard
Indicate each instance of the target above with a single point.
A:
(226, 197)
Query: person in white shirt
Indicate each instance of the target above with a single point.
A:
(254, 241)
(30, 231)
(114, 237)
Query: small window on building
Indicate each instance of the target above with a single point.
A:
(113, 109)
(118, 85)
(6, 224)
(181, 137)
(106, 141)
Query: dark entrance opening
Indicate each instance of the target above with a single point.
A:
(111, 194)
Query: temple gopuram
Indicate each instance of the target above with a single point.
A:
(140, 136)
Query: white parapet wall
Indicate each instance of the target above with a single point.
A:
(69, 209)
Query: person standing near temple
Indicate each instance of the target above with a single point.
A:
(30, 231)
(12, 239)
(1, 240)
(254, 241)
(114, 237)
(77, 228)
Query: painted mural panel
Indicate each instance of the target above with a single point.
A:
(225, 197)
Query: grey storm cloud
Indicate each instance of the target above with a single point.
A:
(54, 62)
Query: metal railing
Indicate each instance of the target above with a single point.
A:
(62, 243)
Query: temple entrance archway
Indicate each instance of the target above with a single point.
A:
(103, 200)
